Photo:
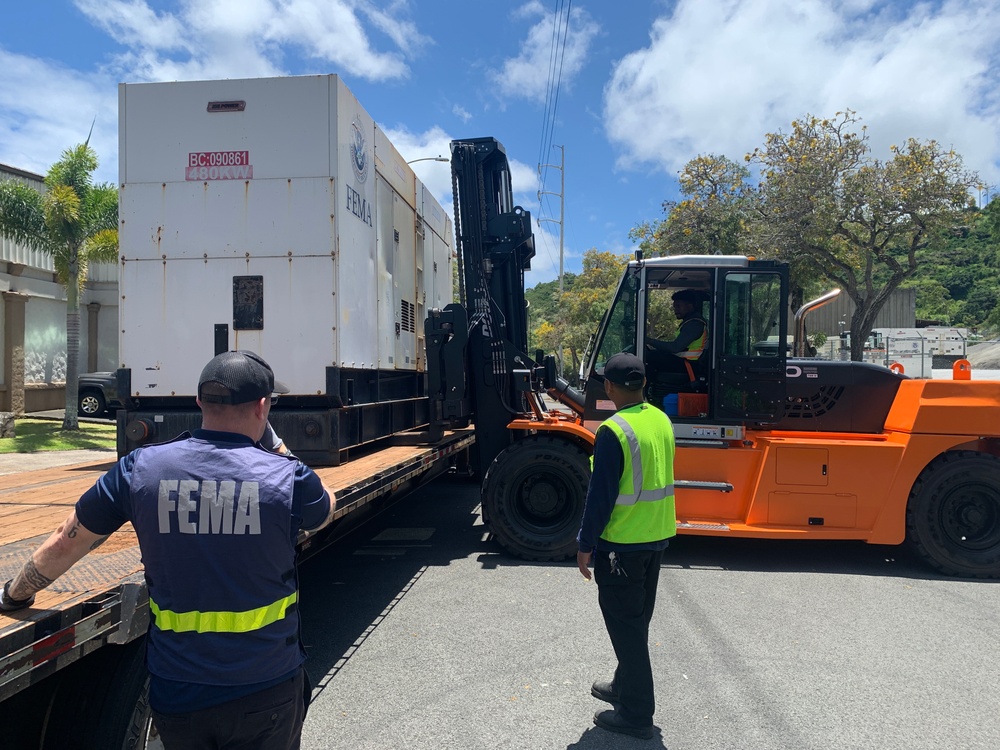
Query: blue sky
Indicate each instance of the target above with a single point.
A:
(645, 86)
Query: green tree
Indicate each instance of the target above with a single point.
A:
(716, 217)
(825, 204)
(957, 281)
(991, 216)
(74, 221)
(583, 308)
(709, 219)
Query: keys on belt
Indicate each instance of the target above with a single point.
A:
(616, 564)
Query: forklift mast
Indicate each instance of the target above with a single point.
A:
(487, 334)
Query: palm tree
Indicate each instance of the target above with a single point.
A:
(74, 221)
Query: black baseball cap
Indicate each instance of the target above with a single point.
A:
(245, 375)
(625, 370)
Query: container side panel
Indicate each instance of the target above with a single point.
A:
(394, 169)
(172, 317)
(433, 214)
(260, 128)
(388, 313)
(443, 286)
(424, 285)
(404, 284)
(357, 279)
(185, 242)
(195, 220)
(438, 284)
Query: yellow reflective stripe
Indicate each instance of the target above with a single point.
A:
(636, 455)
(641, 494)
(222, 622)
(696, 347)
(646, 496)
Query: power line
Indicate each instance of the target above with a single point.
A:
(557, 56)
(553, 53)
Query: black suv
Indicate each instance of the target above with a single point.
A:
(97, 393)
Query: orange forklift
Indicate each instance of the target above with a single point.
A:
(768, 445)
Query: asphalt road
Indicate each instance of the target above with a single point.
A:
(422, 633)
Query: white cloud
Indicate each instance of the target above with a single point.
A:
(46, 108)
(244, 38)
(403, 33)
(524, 182)
(716, 77)
(527, 75)
(461, 113)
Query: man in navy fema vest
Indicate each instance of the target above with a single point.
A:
(217, 517)
(628, 520)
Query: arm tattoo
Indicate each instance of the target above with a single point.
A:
(97, 543)
(72, 532)
(28, 581)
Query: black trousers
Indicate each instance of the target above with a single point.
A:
(627, 595)
(268, 720)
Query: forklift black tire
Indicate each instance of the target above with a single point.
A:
(953, 516)
(533, 496)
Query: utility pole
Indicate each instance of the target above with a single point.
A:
(562, 212)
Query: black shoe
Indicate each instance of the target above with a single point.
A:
(604, 691)
(613, 722)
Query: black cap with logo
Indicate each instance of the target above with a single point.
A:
(245, 375)
(625, 370)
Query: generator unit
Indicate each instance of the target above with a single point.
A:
(273, 215)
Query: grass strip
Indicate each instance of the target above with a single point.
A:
(34, 435)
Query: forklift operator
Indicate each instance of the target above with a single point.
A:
(691, 339)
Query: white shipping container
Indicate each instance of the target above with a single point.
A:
(275, 208)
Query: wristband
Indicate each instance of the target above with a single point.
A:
(9, 604)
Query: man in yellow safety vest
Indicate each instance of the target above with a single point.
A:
(692, 336)
(628, 520)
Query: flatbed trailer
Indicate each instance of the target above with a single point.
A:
(103, 599)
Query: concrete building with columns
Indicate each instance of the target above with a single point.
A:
(33, 321)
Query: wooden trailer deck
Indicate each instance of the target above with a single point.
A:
(102, 598)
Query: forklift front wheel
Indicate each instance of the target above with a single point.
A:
(533, 496)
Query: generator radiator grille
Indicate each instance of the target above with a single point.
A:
(407, 316)
(814, 405)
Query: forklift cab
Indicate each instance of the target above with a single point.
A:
(736, 382)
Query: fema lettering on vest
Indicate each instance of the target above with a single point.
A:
(209, 506)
